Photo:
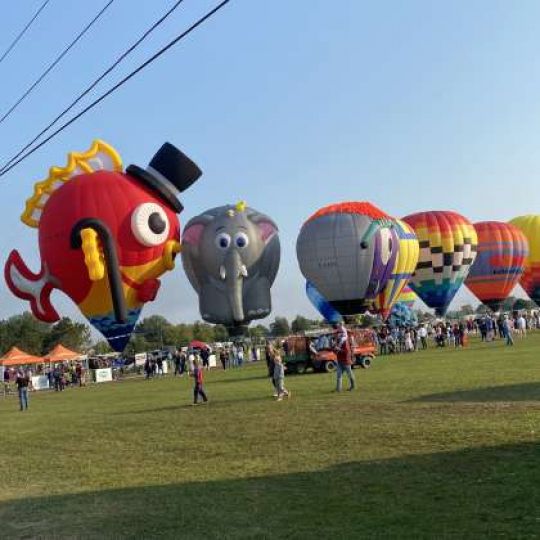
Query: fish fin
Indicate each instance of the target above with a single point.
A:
(36, 288)
(99, 157)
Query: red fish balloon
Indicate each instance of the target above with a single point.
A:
(502, 250)
(105, 236)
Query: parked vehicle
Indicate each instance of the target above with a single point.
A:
(317, 351)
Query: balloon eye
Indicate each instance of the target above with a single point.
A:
(223, 241)
(150, 224)
(241, 240)
(156, 223)
(364, 244)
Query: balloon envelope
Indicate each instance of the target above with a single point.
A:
(502, 249)
(406, 260)
(448, 243)
(347, 251)
(407, 297)
(530, 279)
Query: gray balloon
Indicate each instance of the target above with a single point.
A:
(231, 256)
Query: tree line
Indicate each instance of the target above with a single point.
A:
(155, 332)
(35, 337)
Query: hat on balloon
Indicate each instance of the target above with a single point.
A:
(169, 173)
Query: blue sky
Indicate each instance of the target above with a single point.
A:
(291, 105)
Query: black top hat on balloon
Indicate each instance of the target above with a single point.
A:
(170, 172)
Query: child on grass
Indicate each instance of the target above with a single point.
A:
(279, 377)
(198, 380)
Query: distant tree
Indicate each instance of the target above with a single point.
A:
(467, 310)
(521, 304)
(220, 333)
(23, 331)
(258, 331)
(301, 324)
(102, 347)
(508, 304)
(73, 335)
(154, 329)
(481, 309)
(203, 332)
(280, 327)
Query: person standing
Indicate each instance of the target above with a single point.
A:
(223, 358)
(507, 331)
(279, 377)
(198, 381)
(22, 382)
(270, 353)
(422, 333)
(205, 356)
(344, 359)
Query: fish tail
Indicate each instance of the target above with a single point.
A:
(36, 288)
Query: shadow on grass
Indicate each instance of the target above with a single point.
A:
(511, 392)
(477, 493)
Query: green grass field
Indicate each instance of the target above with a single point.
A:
(443, 443)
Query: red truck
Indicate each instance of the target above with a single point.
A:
(316, 351)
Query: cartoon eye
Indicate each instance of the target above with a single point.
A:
(364, 244)
(386, 245)
(223, 241)
(150, 224)
(241, 240)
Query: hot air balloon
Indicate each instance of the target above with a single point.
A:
(105, 236)
(321, 304)
(448, 244)
(407, 297)
(347, 251)
(406, 260)
(530, 280)
(502, 250)
(231, 256)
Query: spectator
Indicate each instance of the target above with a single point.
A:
(344, 360)
(198, 383)
(205, 357)
(279, 377)
(22, 382)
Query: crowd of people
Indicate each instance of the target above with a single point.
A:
(447, 334)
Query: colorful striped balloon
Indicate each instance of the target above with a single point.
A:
(530, 280)
(448, 243)
(404, 267)
(502, 250)
(407, 297)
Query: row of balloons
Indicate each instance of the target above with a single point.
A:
(356, 258)
(106, 236)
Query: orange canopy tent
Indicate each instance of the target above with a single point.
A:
(16, 357)
(61, 353)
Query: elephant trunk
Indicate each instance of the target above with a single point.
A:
(233, 272)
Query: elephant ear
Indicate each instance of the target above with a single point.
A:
(269, 262)
(267, 228)
(191, 238)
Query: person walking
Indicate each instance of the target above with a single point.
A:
(198, 383)
(270, 353)
(507, 331)
(422, 334)
(279, 377)
(344, 359)
(22, 382)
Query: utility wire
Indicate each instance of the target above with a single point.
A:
(24, 30)
(117, 85)
(56, 61)
(95, 83)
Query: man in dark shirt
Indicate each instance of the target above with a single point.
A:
(22, 387)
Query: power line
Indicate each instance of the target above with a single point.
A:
(94, 84)
(23, 31)
(56, 61)
(117, 85)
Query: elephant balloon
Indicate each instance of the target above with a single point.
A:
(231, 256)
